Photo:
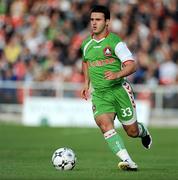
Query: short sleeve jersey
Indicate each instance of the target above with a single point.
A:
(101, 57)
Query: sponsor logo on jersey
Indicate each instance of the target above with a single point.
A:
(107, 51)
(101, 62)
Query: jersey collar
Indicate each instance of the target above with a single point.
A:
(92, 36)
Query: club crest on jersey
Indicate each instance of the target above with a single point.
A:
(107, 51)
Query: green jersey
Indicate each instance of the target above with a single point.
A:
(102, 56)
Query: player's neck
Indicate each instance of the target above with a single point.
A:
(100, 35)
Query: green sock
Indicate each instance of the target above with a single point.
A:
(114, 141)
(142, 130)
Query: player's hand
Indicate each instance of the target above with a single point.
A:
(109, 75)
(85, 93)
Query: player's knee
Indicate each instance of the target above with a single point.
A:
(104, 127)
(132, 133)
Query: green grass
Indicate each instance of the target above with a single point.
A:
(25, 153)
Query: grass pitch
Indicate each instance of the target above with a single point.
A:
(25, 153)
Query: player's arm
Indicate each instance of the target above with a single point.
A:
(129, 67)
(128, 63)
(85, 89)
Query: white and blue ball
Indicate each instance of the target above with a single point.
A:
(64, 159)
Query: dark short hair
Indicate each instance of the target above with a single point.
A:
(101, 9)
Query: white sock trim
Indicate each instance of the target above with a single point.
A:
(142, 130)
(123, 155)
(110, 133)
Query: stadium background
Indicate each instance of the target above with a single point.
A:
(40, 57)
(40, 42)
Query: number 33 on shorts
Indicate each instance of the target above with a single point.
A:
(127, 112)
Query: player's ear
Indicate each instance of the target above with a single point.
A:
(107, 22)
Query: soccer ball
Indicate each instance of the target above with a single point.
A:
(64, 159)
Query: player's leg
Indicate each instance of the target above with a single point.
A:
(126, 112)
(144, 135)
(114, 140)
(104, 113)
(137, 129)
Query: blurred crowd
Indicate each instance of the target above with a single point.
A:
(40, 39)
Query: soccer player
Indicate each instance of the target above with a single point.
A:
(106, 63)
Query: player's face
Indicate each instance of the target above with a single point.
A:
(98, 23)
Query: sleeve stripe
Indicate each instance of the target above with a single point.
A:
(85, 47)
